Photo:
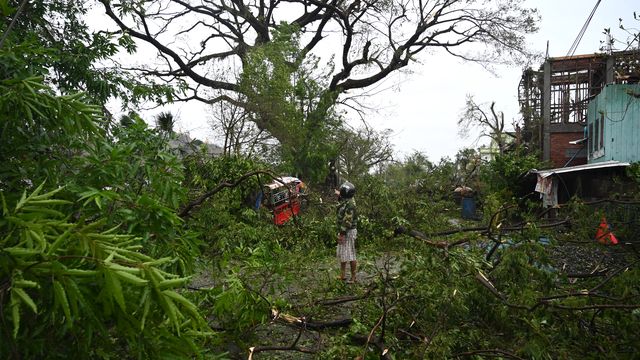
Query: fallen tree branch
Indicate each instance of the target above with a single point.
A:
(489, 352)
(186, 209)
(401, 230)
(259, 349)
(489, 286)
(615, 201)
(370, 337)
(303, 323)
(317, 325)
(421, 236)
(610, 276)
(522, 226)
(494, 216)
(362, 339)
(596, 306)
(292, 347)
(411, 336)
(548, 300)
(346, 299)
(457, 231)
(587, 275)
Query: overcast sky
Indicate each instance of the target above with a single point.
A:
(423, 107)
(424, 110)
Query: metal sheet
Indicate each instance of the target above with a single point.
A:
(600, 165)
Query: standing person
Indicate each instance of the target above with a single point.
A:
(347, 230)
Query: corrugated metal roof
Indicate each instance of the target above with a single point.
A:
(600, 165)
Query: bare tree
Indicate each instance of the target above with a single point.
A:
(238, 133)
(489, 121)
(363, 149)
(202, 44)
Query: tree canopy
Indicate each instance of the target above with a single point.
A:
(207, 46)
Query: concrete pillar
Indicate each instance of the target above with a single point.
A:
(546, 113)
(609, 72)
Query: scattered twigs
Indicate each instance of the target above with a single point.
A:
(549, 300)
(302, 322)
(370, 336)
(615, 201)
(293, 347)
(258, 293)
(614, 273)
(206, 287)
(489, 352)
(495, 246)
(457, 231)
(412, 336)
(540, 226)
(433, 335)
(494, 216)
(487, 230)
(387, 306)
(595, 307)
(361, 340)
(421, 236)
(346, 299)
(588, 275)
(487, 284)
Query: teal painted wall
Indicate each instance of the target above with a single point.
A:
(620, 114)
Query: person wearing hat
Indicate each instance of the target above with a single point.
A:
(347, 223)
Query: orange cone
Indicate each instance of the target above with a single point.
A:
(604, 234)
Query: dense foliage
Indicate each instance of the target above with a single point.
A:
(92, 248)
(115, 244)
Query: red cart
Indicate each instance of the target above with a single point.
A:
(283, 197)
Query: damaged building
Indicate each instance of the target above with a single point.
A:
(583, 115)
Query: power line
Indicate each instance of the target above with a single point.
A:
(637, 37)
(576, 42)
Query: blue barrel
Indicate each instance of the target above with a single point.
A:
(468, 208)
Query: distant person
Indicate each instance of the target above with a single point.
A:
(347, 231)
(331, 181)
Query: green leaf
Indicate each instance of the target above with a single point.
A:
(171, 310)
(61, 298)
(146, 306)
(5, 9)
(25, 284)
(25, 298)
(171, 283)
(50, 202)
(110, 257)
(15, 314)
(21, 202)
(58, 241)
(20, 251)
(115, 289)
(5, 210)
(39, 237)
(79, 272)
(130, 278)
(191, 308)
